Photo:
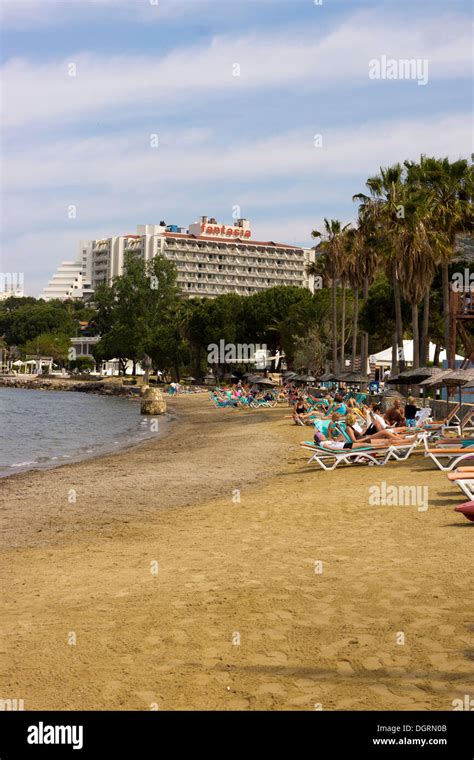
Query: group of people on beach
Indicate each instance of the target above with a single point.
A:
(245, 395)
(363, 424)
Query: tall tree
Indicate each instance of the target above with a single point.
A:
(448, 188)
(333, 247)
(134, 306)
(383, 209)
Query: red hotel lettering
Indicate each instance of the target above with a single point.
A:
(226, 231)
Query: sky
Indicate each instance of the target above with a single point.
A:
(124, 112)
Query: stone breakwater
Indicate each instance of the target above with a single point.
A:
(60, 384)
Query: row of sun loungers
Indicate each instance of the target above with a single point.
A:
(242, 402)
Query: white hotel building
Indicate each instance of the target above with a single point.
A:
(211, 258)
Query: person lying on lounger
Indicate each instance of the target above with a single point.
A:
(376, 422)
(357, 432)
(337, 442)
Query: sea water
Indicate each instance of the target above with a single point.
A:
(41, 429)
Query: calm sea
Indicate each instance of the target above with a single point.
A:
(41, 429)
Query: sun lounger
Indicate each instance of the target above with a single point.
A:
(451, 422)
(466, 485)
(329, 459)
(447, 459)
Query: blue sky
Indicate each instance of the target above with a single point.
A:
(144, 67)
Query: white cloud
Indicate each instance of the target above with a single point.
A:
(117, 180)
(45, 92)
(102, 165)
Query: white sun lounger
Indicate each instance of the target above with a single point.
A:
(329, 459)
(467, 487)
(447, 459)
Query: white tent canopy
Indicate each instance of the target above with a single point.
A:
(384, 358)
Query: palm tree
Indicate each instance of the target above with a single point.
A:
(381, 211)
(333, 247)
(447, 189)
(358, 278)
(416, 256)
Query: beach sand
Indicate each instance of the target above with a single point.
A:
(214, 569)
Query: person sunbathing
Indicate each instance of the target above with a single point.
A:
(357, 432)
(335, 440)
(395, 416)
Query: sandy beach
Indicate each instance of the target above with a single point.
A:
(213, 569)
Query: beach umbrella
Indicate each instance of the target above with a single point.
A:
(414, 376)
(436, 379)
(327, 377)
(454, 378)
(307, 378)
(351, 377)
(418, 374)
(264, 381)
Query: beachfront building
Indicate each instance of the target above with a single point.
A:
(211, 258)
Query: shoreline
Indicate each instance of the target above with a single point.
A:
(102, 387)
(135, 437)
(227, 511)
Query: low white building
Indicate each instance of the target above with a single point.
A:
(67, 282)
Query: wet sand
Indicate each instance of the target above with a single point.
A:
(213, 569)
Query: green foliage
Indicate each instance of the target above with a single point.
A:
(27, 321)
(48, 344)
(137, 310)
(81, 363)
